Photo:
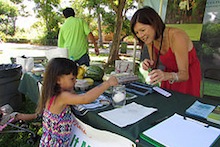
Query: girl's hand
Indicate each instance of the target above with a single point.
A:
(147, 64)
(112, 81)
(157, 76)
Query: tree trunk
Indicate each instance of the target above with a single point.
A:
(117, 34)
(100, 41)
(14, 25)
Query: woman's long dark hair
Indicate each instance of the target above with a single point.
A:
(148, 16)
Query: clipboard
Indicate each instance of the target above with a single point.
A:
(180, 131)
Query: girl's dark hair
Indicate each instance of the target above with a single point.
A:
(55, 68)
(68, 12)
(148, 16)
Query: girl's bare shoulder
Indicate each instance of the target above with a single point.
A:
(66, 94)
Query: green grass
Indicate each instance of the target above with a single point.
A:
(19, 139)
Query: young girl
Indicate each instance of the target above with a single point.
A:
(57, 94)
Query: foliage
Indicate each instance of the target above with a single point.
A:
(20, 139)
(112, 21)
(210, 38)
(109, 22)
(2, 36)
(207, 50)
(110, 17)
(120, 8)
(8, 16)
(49, 11)
(50, 18)
(17, 40)
(173, 13)
(211, 30)
(16, 1)
(10, 10)
(97, 7)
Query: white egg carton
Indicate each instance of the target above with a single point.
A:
(81, 85)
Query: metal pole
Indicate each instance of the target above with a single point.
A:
(135, 43)
(134, 54)
(161, 6)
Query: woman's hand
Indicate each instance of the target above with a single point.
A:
(157, 76)
(146, 64)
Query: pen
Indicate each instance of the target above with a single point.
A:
(196, 121)
(159, 120)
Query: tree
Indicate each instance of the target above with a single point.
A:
(95, 7)
(8, 17)
(120, 8)
(113, 20)
(49, 11)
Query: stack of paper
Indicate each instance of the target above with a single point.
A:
(177, 131)
(128, 114)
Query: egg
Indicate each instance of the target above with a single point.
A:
(147, 80)
(118, 97)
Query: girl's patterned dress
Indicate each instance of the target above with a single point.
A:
(56, 127)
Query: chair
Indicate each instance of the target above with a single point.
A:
(210, 74)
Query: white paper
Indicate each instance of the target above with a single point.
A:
(128, 114)
(178, 132)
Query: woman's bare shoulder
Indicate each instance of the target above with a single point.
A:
(176, 31)
(177, 37)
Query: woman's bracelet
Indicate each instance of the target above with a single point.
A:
(174, 78)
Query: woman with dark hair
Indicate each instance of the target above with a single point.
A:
(173, 47)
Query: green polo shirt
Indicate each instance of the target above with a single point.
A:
(73, 36)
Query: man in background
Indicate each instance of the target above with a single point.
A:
(73, 35)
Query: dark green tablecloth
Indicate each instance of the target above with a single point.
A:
(29, 86)
(177, 103)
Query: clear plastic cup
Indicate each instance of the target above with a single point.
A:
(118, 96)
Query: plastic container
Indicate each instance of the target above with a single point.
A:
(118, 96)
(124, 46)
(58, 52)
(10, 75)
(27, 63)
(81, 85)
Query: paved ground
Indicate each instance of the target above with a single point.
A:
(8, 50)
